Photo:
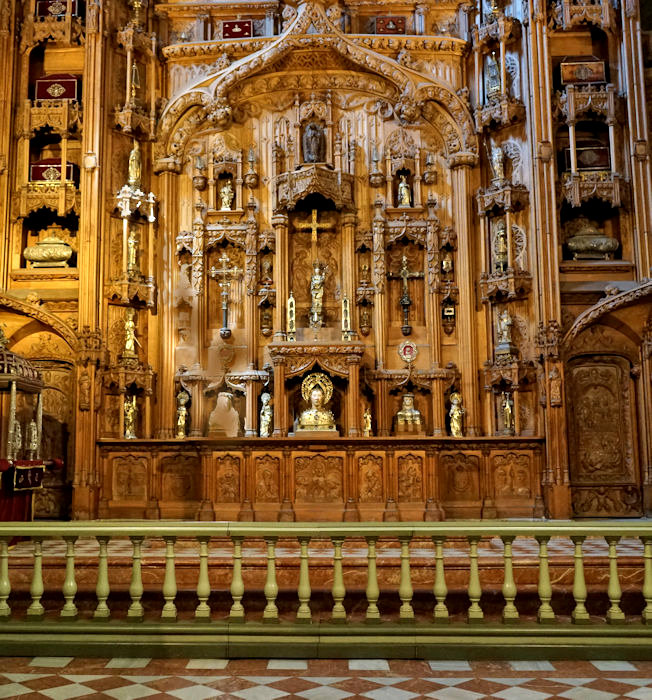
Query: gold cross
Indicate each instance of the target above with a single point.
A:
(314, 227)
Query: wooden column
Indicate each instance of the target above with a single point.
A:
(280, 403)
(353, 397)
(281, 274)
(467, 317)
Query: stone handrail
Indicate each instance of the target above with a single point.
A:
(514, 634)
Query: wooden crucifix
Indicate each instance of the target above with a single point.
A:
(405, 301)
(225, 275)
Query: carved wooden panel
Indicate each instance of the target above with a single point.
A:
(181, 478)
(129, 478)
(227, 478)
(604, 476)
(318, 478)
(370, 468)
(267, 476)
(461, 476)
(410, 469)
(512, 475)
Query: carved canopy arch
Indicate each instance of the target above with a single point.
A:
(311, 29)
(50, 321)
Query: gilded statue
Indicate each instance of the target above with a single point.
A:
(404, 194)
(314, 143)
(366, 422)
(266, 415)
(130, 333)
(135, 166)
(317, 295)
(182, 413)
(130, 415)
(505, 323)
(408, 418)
(500, 247)
(507, 411)
(493, 82)
(456, 415)
(227, 195)
(132, 252)
(317, 390)
(498, 163)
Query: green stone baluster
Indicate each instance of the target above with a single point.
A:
(338, 590)
(474, 613)
(169, 611)
(440, 589)
(545, 613)
(373, 592)
(647, 580)
(69, 584)
(270, 613)
(237, 612)
(405, 591)
(136, 611)
(5, 583)
(102, 589)
(303, 612)
(614, 614)
(510, 613)
(580, 614)
(35, 611)
(203, 611)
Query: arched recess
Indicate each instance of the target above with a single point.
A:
(602, 407)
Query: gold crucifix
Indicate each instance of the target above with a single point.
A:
(224, 275)
(314, 227)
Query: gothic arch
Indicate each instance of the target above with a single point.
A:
(310, 29)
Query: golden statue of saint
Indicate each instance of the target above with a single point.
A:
(366, 422)
(266, 415)
(135, 166)
(317, 390)
(317, 295)
(404, 192)
(227, 196)
(507, 410)
(130, 333)
(182, 413)
(456, 415)
(132, 252)
(130, 413)
(408, 418)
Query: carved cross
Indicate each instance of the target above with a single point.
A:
(405, 301)
(224, 275)
(314, 227)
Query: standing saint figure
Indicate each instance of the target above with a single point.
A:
(132, 252)
(135, 166)
(182, 413)
(130, 333)
(501, 250)
(226, 196)
(130, 413)
(266, 414)
(316, 295)
(493, 84)
(366, 421)
(505, 323)
(404, 192)
(507, 410)
(456, 415)
(313, 143)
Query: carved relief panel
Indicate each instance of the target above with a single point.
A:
(129, 481)
(227, 478)
(461, 476)
(318, 478)
(180, 478)
(267, 478)
(410, 476)
(370, 468)
(512, 475)
(604, 477)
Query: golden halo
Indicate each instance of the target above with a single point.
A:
(317, 379)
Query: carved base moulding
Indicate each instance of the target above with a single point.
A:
(505, 286)
(329, 479)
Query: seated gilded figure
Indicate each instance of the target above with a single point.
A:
(408, 418)
(317, 390)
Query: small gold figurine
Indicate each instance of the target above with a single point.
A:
(227, 196)
(408, 418)
(507, 410)
(182, 413)
(130, 333)
(456, 415)
(132, 252)
(366, 421)
(130, 413)
(266, 415)
(500, 248)
(404, 192)
(317, 390)
(135, 166)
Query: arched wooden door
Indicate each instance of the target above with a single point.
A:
(604, 468)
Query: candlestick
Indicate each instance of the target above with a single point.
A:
(291, 318)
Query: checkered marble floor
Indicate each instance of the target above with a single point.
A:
(60, 678)
(523, 548)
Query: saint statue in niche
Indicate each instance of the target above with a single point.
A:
(404, 194)
(317, 390)
(507, 410)
(456, 415)
(314, 143)
(317, 295)
(266, 415)
(227, 196)
(493, 83)
(135, 166)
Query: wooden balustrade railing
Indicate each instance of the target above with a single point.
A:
(512, 634)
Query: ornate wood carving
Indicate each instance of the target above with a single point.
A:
(318, 479)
